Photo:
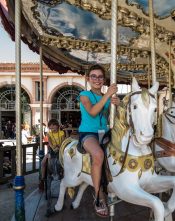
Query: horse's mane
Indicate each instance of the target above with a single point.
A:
(121, 125)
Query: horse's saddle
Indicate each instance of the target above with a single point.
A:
(86, 159)
(167, 146)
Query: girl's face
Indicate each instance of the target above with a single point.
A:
(53, 128)
(96, 79)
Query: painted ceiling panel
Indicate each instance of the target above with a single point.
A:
(75, 34)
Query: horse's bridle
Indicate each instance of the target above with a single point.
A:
(168, 116)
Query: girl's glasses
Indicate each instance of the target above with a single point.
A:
(94, 77)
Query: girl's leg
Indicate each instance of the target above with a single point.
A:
(43, 172)
(91, 145)
(43, 166)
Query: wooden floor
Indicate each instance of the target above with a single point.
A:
(36, 206)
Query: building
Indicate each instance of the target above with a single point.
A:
(60, 93)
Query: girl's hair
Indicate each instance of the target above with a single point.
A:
(53, 122)
(96, 67)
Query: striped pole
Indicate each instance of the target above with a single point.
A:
(19, 183)
(113, 74)
(41, 148)
(152, 41)
(114, 33)
(169, 82)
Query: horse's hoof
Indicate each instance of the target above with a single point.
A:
(73, 207)
(57, 211)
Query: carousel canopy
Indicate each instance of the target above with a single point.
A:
(76, 33)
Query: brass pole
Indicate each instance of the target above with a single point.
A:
(169, 81)
(41, 97)
(18, 86)
(114, 32)
(19, 182)
(149, 79)
(152, 41)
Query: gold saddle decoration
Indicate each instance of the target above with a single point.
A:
(133, 163)
(86, 163)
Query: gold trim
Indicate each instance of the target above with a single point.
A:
(132, 163)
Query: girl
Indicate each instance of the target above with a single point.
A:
(55, 139)
(94, 108)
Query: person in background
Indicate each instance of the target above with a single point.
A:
(55, 138)
(25, 134)
(94, 107)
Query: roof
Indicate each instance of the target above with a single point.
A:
(76, 34)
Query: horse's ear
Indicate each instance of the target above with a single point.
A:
(135, 86)
(154, 88)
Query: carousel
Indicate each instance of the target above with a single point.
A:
(134, 41)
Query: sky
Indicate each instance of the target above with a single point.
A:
(7, 50)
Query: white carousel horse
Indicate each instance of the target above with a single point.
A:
(130, 158)
(165, 146)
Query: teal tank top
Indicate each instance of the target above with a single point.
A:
(90, 123)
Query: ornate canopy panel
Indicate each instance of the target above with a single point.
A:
(76, 33)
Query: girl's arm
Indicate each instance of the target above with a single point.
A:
(93, 110)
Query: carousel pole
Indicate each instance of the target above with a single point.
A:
(19, 183)
(113, 75)
(149, 79)
(169, 82)
(152, 41)
(41, 148)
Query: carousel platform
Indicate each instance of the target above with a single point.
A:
(36, 206)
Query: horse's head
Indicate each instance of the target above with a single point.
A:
(141, 110)
(170, 114)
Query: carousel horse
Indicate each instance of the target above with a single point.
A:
(165, 146)
(129, 157)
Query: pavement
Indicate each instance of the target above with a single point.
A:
(123, 211)
(7, 196)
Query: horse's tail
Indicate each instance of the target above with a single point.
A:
(63, 146)
(71, 192)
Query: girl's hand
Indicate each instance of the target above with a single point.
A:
(112, 90)
(115, 101)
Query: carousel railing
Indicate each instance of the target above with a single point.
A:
(30, 160)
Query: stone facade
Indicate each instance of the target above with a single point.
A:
(30, 77)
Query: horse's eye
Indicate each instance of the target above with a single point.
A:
(171, 112)
(155, 110)
(134, 106)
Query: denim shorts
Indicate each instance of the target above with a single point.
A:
(82, 137)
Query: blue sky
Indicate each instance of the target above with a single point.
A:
(7, 50)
